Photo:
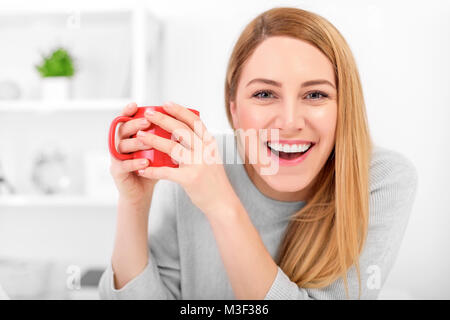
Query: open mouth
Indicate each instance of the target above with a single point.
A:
(289, 151)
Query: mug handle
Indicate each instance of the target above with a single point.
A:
(112, 139)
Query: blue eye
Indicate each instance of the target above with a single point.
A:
(265, 94)
(324, 95)
(257, 94)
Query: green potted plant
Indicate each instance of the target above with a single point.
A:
(56, 71)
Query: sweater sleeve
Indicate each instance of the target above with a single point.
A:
(160, 279)
(393, 186)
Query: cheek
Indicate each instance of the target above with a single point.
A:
(248, 117)
(250, 121)
(323, 122)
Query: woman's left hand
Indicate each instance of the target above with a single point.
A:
(200, 172)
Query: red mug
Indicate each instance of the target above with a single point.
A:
(156, 158)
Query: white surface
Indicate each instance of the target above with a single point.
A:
(83, 105)
(35, 201)
(3, 295)
(70, 235)
(395, 294)
(84, 294)
(40, 278)
(99, 183)
(56, 88)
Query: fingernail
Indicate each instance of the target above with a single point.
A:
(141, 172)
(141, 133)
(144, 122)
(149, 112)
(143, 162)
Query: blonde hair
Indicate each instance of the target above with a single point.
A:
(325, 238)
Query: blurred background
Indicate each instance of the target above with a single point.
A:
(67, 68)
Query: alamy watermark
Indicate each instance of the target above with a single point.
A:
(73, 281)
(374, 279)
(252, 144)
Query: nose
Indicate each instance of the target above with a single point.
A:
(290, 117)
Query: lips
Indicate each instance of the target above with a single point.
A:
(283, 141)
(289, 158)
(286, 153)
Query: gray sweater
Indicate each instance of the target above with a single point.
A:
(185, 263)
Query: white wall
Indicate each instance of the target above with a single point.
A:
(402, 50)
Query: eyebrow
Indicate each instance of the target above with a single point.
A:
(304, 84)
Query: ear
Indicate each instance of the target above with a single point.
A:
(233, 114)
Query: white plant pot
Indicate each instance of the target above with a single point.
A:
(56, 88)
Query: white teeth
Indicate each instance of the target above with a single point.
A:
(290, 148)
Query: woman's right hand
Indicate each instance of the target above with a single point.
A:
(132, 187)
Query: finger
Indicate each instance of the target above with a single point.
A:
(130, 109)
(170, 147)
(126, 166)
(131, 145)
(134, 165)
(186, 116)
(159, 173)
(180, 131)
(129, 128)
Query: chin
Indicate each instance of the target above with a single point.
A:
(286, 183)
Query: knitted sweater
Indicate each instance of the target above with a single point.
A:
(185, 262)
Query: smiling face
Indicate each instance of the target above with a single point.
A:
(291, 100)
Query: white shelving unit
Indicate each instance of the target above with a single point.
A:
(34, 201)
(80, 105)
(138, 34)
(139, 28)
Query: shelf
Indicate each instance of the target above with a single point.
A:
(56, 201)
(68, 105)
(116, 52)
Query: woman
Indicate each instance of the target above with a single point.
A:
(326, 224)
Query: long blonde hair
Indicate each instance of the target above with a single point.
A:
(326, 237)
